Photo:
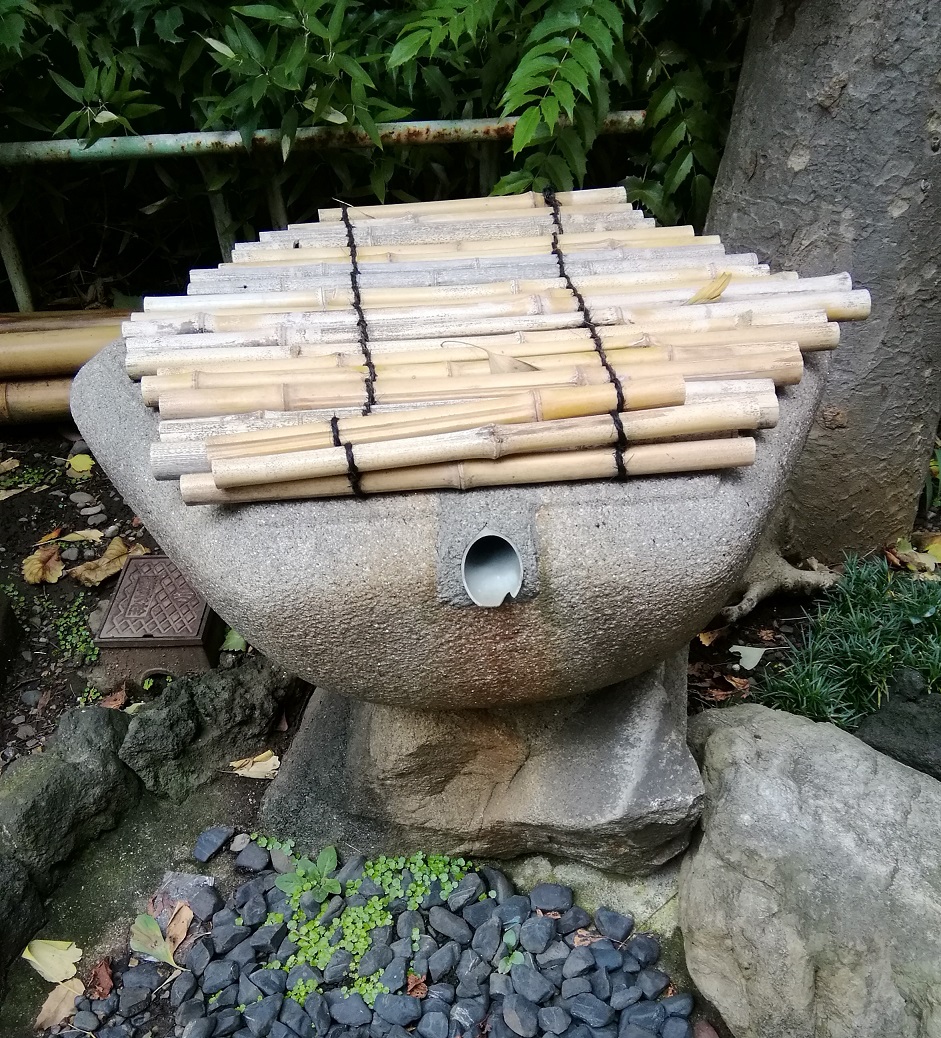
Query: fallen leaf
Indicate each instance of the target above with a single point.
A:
(749, 656)
(233, 642)
(708, 637)
(134, 708)
(43, 566)
(4, 494)
(416, 986)
(100, 982)
(739, 684)
(913, 560)
(583, 937)
(116, 554)
(50, 536)
(81, 462)
(766, 634)
(53, 960)
(60, 1004)
(9, 465)
(116, 700)
(178, 925)
(83, 535)
(262, 766)
(501, 364)
(147, 939)
(711, 292)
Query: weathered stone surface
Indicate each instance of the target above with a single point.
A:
(53, 804)
(21, 911)
(908, 725)
(200, 723)
(606, 779)
(385, 617)
(812, 906)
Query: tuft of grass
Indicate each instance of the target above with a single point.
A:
(872, 623)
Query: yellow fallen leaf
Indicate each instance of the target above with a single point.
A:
(43, 566)
(60, 1004)
(262, 766)
(179, 925)
(708, 637)
(711, 292)
(50, 536)
(53, 960)
(81, 462)
(83, 535)
(116, 554)
(9, 465)
(4, 494)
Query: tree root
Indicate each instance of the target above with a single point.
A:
(769, 574)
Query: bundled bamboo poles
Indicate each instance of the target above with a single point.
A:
(483, 342)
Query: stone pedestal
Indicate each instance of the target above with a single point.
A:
(604, 778)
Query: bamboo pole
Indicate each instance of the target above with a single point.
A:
(26, 354)
(490, 441)
(34, 401)
(56, 320)
(552, 467)
(252, 373)
(783, 364)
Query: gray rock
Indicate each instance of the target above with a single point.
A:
(269, 982)
(227, 1022)
(652, 982)
(292, 1015)
(211, 841)
(521, 1016)
(203, 1028)
(615, 925)
(225, 938)
(447, 923)
(133, 1000)
(182, 989)
(53, 804)
(433, 1025)
(579, 961)
(81, 499)
(239, 843)
(649, 1015)
(69, 554)
(590, 1010)
(200, 723)
(281, 862)
(97, 520)
(85, 1021)
(678, 1005)
(443, 961)
(20, 909)
(144, 975)
(908, 724)
(205, 903)
(218, 975)
(810, 827)
(553, 1019)
(351, 1011)
(376, 958)
(624, 748)
(260, 1016)
(531, 984)
(643, 947)
(467, 891)
(551, 897)
(676, 1027)
(576, 985)
(398, 1009)
(536, 933)
(626, 996)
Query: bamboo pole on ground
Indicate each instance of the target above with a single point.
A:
(25, 354)
(34, 401)
(491, 442)
(552, 467)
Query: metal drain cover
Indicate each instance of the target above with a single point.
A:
(153, 606)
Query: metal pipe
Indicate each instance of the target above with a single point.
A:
(13, 264)
(178, 145)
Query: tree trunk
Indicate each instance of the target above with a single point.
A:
(834, 163)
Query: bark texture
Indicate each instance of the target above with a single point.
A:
(834, 163)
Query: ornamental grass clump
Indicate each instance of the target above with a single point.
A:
(874, 622)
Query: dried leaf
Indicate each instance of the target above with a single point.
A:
(501, 364)
(4, 494)
(711, 292)
(116, 554)
(915, 561)
(50, 536)
(766, 634)
(739, 684)
(708, 637)
(147, 939)
(83, 535)
(749, 656)
(9, 465)
(116, 700)
(43, 566)
(179, 925)
(416, 986)
(60, 1004)
(262, 766)
(53, 960)
(583, 937)
(101, 981)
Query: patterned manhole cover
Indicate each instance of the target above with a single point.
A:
(153, 606)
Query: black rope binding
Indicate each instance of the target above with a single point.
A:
(353, 471)
(620, 445)
(549, 196)
(358, 307)
(335, 430)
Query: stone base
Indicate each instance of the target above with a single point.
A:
(605, 779)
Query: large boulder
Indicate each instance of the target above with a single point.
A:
(203, 721)
(811, 907)
(908, 724)
(53, 804)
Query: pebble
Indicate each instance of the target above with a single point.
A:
(450, 925)
(678, 1005)
(590, 1010)
(554, 1019)
(551, 897)
(92, 510)
(652, 982)
(252, 859)
(25, 731)
(19, 719)
(521, 1016)
(676, 1027)
(531, 984)
(613, 924)
(211, 841)
(645, 1014)
(575, 918)
(398, 1009)
(433, 1025)
(69, 554)
(86, 1021)
(31, 696)
(579, 961)
(112, 531)
(260, 1016)
(536, 933)
(81, 498)
(294, 1017)
(97, 520)
(239, 843)
(353, 1011)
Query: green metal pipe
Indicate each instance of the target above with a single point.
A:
(177, 145)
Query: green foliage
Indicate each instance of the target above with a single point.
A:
(932, 499)
(513, 955)
(233, 642)
(89, 696)
(72, 634)
(559, 65)
(870, 624)
(408, 878)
